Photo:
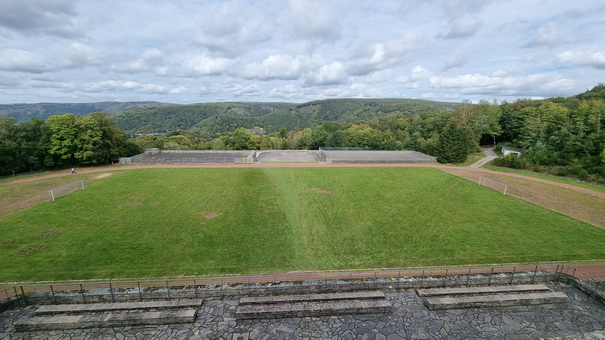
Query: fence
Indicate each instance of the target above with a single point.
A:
(112, 291)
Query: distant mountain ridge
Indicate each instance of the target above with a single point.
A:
(24, 112)
(215, 119)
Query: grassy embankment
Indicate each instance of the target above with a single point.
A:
(171, 222)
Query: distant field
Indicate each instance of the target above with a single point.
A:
(171, 222)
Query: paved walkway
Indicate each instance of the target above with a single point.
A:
(490, 155)
(580, 318)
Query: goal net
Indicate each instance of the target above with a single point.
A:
(490, 183)
(66, 189)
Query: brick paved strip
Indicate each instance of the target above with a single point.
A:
(361, 295)
(58, 322)
(103, 307)
(495, 300)
(312, 308)
(481, 290)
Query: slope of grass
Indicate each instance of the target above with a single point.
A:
(170, 222)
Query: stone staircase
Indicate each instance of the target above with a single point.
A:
(492, 296)
(121, 314)
(319, 304)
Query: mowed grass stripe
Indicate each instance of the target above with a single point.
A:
(171, 222)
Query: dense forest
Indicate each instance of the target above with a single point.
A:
(563, 136)
(61, 141)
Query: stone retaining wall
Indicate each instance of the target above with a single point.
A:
(286, 287)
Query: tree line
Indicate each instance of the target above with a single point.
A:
(61, 141)
(562, 136)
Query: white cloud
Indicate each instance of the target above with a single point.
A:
(14, 60)
(244, 90)
(206, 65)
(355, 90)
(315, 20)
(458, 59)
(583, 58)
(463, 28)
(117, 85)
(417, 74)
(232, 29)
(152, 60)
(80, 55)
(282, 66)
(289, 92)
(380, 56)
(550, 84)
(38, 17)
(547, 36)
(330, 74)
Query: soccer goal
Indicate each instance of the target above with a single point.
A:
(66, 189)
(490, 183)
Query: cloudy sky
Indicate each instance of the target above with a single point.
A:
(191, 51)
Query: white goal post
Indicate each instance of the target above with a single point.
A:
(482, 181)
(66, 189)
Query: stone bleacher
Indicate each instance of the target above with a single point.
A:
(493, 296)
(319, 304)
(75, 316)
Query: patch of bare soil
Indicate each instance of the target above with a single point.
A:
(210, 215)
(103, 175)
(585, 206)
(323, 191)
(132, 204)
(11, 241)
(31, 250)
(52, 232)
(22, 203)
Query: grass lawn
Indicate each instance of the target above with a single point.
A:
(171, 222)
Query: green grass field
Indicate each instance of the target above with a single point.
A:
(172, 222)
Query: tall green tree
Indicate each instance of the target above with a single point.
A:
(455, 144)
(64, 137)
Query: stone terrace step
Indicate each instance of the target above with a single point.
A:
(55, 322)
(359, 295)
(481, 290)
(118, 306)
(495, 300)
(312, 308)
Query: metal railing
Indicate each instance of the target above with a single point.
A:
(120, 290)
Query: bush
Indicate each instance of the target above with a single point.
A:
(511, 161)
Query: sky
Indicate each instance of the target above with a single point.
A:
(191, 51)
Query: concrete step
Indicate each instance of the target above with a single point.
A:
(481, 290)
(118, 306)
(301, 309)
(358, 295)
(503, 300)
(111, 319)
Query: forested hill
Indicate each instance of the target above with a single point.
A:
(215, 119)
(25, 112)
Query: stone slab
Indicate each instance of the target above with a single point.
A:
(55, 322)
(358, 295)
(312, 308)
(481, 290)
(459, 302)
(102, 307)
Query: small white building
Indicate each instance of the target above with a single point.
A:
(506, 150)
